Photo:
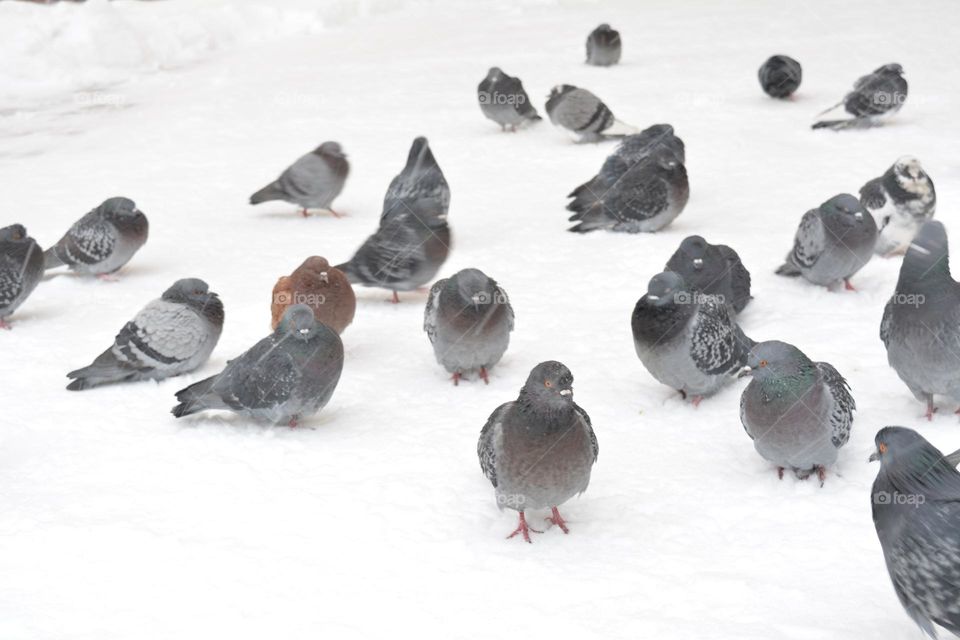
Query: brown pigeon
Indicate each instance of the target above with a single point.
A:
(321, 287)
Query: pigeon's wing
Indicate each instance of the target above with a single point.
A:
(590, 432)
(885, 323)
(582, 111)
(872, 195)
(430, 313)
(89, 241)
(636, 196)
(739, 277)
(841, 414)
(261, 378)
(875, 94)
(810, 241)
(743, 414)
(717, 345)
(308, 176)
(511, 86)
(487, 445)
(392, 254)
(162, 334)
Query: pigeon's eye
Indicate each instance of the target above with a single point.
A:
(882, 448)
(547, 384)
(763, 363)
(197, 292)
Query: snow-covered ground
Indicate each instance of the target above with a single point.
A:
(118, 521)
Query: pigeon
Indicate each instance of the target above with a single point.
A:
(832, 243)
(312, 182)
(652, 141)
(405, 253)
(916, 511)
(921, 322)
(780, 76)
(881, 93)
(687, 340)
(468, 319)
(714, 269)
(287, 376)
(323, 288)
(170, 336)
(901, 200)
(21, 268)
(538, 450)
(603, 46)
(503, 100)
(798, 412)
(584, 115)
(420, 188)
(102, 241)
(646, 198)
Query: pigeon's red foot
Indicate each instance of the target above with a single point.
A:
(304, 212)
(821, 474)
(696, 401)
(456, 378)
(107, 277)
(293, 422)
(486, 378)
(847, 285)
(395, 299)
(7, 326)
(336, 214)
(931, 409)
(523, 529)
(558, 520)
(780, 472)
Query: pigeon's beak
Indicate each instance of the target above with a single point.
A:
(476, 299)
(652, 298)
(566, 393)
(858, 216)
(746, 371)
(324, 277)
(874, 456)
(698, 263)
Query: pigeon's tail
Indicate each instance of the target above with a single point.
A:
(51, 260)
(106, 369)
(953, 458)
(788, 269)
(619, 129)
(585, 196)
(268, 193)
(349, 271)
(195, 398)
(839, 125)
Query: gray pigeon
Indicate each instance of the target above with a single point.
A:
(900, 200)
(420, 188)
(832, 243)
(468, 319)
(714, 269)
(652, 141)
(687, 340)
(168, 337)
(21, 268)
(584, 115)
(646, 198)
(503, 100)
(603, 46)
(287, 376)
(538, 450)
(921, 322)
(916, 510)
(102, 241)
(405, 253)
(880, 93)
(798, 412)
(312, 182)
(780, 76)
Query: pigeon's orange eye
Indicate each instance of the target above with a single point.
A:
(882, 448)
(547, 384)
(763, 363)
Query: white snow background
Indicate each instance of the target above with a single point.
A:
(373, 519)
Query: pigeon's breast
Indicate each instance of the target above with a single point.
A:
(791, 430)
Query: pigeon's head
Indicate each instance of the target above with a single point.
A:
(298, 322)
(694, 249)
(664, 288)
(120, 209)
(550, 384)
(928, 249)
(559, 90)
(191, 291)
(604, 27)
(475, 287)
(420, 153)
(330, 148)
(846, 208)
(316, 265)
(494, 73)
(14, 233)
(890, 69)
(895, 444)
(774, 359)
(910, 175)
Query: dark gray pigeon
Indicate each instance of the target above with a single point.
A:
(468, 319)
(603, 46)
(687, 340)
(832, 243)
(170, 336)
(21, 268)
(881, 93)
(646, 198)
(312, 182)
(900, 200)
(780, 76)
(651, 142)
(538, 450)
(584, 115)
(921, 322)
(287, 376)
(503, 100)
(405, 253)
(798, 412)
(916, 510)
(102, 241)
(420, 188)
(714, 269)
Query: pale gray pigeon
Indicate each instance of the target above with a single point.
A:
(714, 269)
(916, 511)
(503, 100)
(287, 376)
(312, 182)
(102, 241)
(900, 200)
(584, 115)
(603, 46)
(832, 243)
(780, 76)
(21, 268)
(687, 340)
(798, 412)
(538, 450)
(880, 93)
(468, 319)
(420, 188)
(921, 322)
(170, 336)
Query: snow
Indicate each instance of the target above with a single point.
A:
(119, 521)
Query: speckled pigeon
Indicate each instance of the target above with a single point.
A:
(168, 337)
(880, 93)
(538, 450)
(312, 182)
(780, 76)
(714, 269)
(798, 412)
(503, 100)
(833, 242)
(420, 188)
(584, 115)
(287, 376)
(603, 46)
(102, 241)
(900, 200)
(468, 319)
(687, 340)
(21, 268)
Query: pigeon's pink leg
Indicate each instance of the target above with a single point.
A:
(335, 214)
(558, 520)
(821, 474)
(304, 212)
(696, 401)
(396, 298)
(780, 472)
(5, 325)
(293, 422)
(930, 409)
(847, 285)
(456, 379)
(523, 528)
(486, 380)
(107, 277)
